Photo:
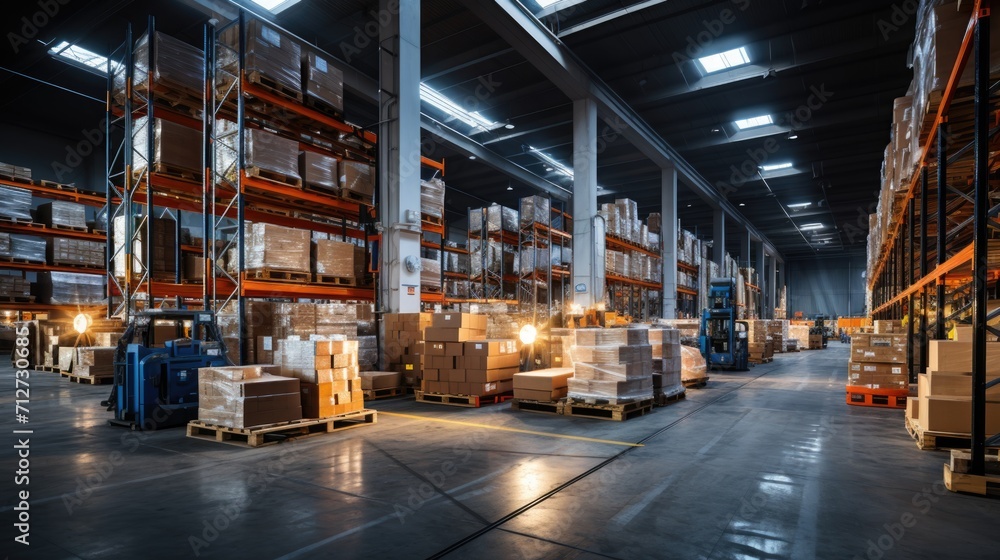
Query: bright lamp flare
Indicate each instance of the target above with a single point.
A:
(81, 323)
(528, 334)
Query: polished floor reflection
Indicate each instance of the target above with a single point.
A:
(764, 464)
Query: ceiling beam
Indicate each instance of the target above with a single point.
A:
(529, 37)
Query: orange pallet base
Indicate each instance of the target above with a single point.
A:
(880, 398)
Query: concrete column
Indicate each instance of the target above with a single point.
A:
(745, 254)
(588, 228)
(762, 282)
(399, 155)
(772, 285)
(719, 240)
(668, 239)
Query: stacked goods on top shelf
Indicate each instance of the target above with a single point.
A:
(176, 148)
(246, 396)
(403, 344)
(430, 270)
(323, 82)
(164, 244)
(267, 155)
(667, 361)
(339, 260)
(328, 370)
(22, 248)
(535, 210)
(17, 204)
(271, 58)
(66, 288)
(944, 392)
(65, 215)
(15, 172)
(432, 198)
(319, 172)
(178, 69)
(878, 361)
(545, 385)
(613, 365)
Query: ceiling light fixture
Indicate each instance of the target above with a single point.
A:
(472, 157)
(555, 165)
(753, 122)
(508, 126)
(275, 6)
(81, 57)
(724, 60)
(792, 136)
(810, 227)
(510, 188)
(742, 204)
(799, 205)
(545, 3)
(452, 109)
(775, 166)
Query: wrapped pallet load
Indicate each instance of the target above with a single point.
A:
(17, 204)
(271, 58)
(432, 198)
(247, 396)
(613, 365)
(324, 82)
(357, 180)
(319, 171)
(667, 361)
(328, 371)
(176, 66)
(62, 215)
(176, 148)
(274, 247)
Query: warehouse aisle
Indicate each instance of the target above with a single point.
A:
(763, 464)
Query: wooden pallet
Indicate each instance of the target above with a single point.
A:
(433, 220)
(663, 400)
(375, 394)
(543, 407)
(25, 222)
(274, 275)
(262, 80)
(19, 260)
(100, 380)
(322, 106)
(58, 186)
(62, 227)
(468, 401)
(167, 170)
(47, 369)
(700, 382)
(930, 441)
(320, 189)
(99, 231)
(335, 280)
(614, 412)
(275, 177)
(878, 398)
(259, 436)
(353, 196)
(70, 264)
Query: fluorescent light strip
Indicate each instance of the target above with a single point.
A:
(775, 167)
(275, 6)
(560, 168)
(800, 205)
(473, 118)
(724, 60)
(753, 122)
(81, 56)
(810, 227)
(546, 3)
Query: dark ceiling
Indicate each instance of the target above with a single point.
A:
(826, 72)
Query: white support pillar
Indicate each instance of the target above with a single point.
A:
(762, 281)
(668, 240)
(719, 239)
(772, 284)
(399, 155)
(746, 258)
(588, 227)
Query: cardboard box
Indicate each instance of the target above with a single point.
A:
(453, 335)
(875, 367)
(491, 362)
(954, 415)
(493, 347)
(430, 374)
(454, 348)
(489, 375)
(458, 321)
(913, 408)
(441, 362)
(956, 356)
(483, 389)
(315, 405)
(453, 375)
(374, 380)
(435, 349)
(543, 379)
(536, 395)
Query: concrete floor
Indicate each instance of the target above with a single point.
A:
(765, 464)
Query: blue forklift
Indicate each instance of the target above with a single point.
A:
(156, 387)
(723, 339)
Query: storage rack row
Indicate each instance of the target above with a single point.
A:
(639, 299)
(940, 262)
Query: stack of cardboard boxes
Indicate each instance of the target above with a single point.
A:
(461, 361)
(761, 346)
(247, 396)
(612, 364)
(95, 362)
(944, 393)
(778, 330)
(403, 344)
(328, 371)
(543, 385)
(878, 361)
